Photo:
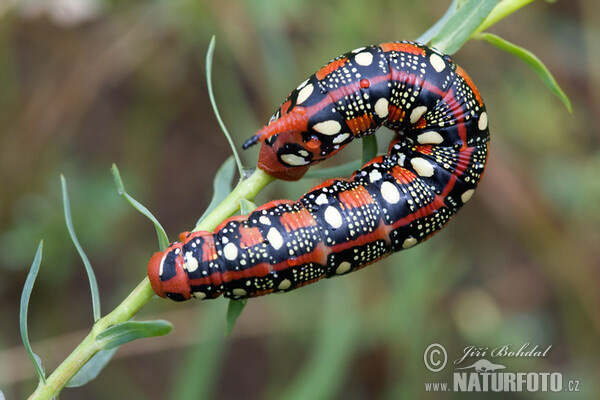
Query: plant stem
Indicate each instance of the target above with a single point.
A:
(246, 189)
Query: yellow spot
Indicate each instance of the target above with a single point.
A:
(274, 238)
(293, 159)
(422, 167)
(466, 196)
(365, 59)
(333, 217)
(330, 127)
(381, 107)
(437, 63)
(191, 262)
(230, 251)
(343, 267)
(430, 137)
(417, 113)
(390, 193)
(408, 243)
(483, 121)
(199, 295)
(304, 93)
(285, 284)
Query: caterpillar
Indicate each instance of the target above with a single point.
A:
(393, 202)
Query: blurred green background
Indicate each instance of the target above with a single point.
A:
(84, 84)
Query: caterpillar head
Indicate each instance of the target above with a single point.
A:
(302, 132)
(167, 276)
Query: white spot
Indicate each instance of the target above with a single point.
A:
(239, 292)
(437, 62)
(341, 138)
(483, 121)
(300, 86)
(285, 284)
(358, 50)
(374, 176)
(293, 159)
(264, 220)
(321, 199)
(199, 295)
(343, 267)
(390, 192)
(417, 113)
(330, 127)
(365, 59)
(430, 137)
(191, 262)
(162, 265)
(466, 196)
(274, 238)
(422, 166)
(408, 243)
(230, 251)
(381, 107)
(303, 153)
(333, 217)
(304, 93)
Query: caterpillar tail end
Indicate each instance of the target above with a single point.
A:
(251, 142)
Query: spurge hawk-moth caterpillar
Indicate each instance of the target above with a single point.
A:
(394, 202)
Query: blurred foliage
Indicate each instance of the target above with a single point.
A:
(84, 84)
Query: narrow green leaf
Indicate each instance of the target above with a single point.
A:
(23, 311)
(125, 332)
(246, 206)
(92, 368)
(86, 262)
(435, 28)
(369, 148)
(534, 63)
(222, 186)
(209, 59)
(234, 310)
(198, 370)
(461, 24)
(163, 240)
(332, 172)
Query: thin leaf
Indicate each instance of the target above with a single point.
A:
(127, 331)
(86, 262)
(246, 206)
(209, 58)
(431, 32)
(163, 240)
(234, 309)
(534, 63)
(332, 172)
(92, 368)
(369, 148)
(206, 355)
(464, 21)
(23, 311)
(222, 186)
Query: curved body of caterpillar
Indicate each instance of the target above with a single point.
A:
(394, 202)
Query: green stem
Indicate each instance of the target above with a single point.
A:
(246, 189)
(504, 8)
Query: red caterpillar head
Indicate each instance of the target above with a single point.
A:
(305, 130)
(169, 270)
